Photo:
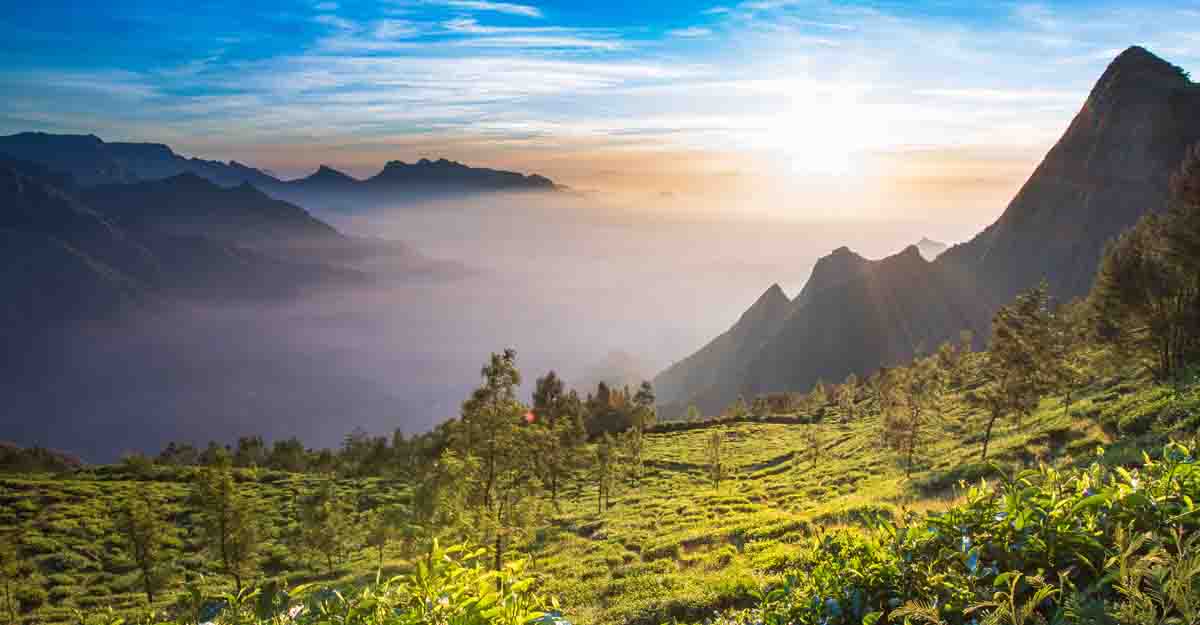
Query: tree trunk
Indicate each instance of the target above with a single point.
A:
(147, 585)
(987, 434)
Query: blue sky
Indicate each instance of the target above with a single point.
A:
(592, 92)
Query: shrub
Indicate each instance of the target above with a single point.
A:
(988, 553)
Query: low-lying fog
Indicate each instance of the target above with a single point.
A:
(564, 282)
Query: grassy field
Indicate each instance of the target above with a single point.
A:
(673, 546)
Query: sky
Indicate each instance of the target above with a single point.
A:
(943, 106)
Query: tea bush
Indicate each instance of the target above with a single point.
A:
(1063, 546)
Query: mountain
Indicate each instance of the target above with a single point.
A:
(617, 369)
(838, 267)
(93, 162)
(1109, 168)
(62, 260)
(724, 357)
(931, 249)
(187, 204)
(71, 254)
(452, 174)
(399, 182)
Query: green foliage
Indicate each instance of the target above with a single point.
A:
(447, 587)
(1114, 537)
(231, 525)
(145, 536)
(1147, 293)
(326, 525)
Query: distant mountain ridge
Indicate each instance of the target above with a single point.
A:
(97, 253)
(425, 179)
(1110, 167)
(92, 161)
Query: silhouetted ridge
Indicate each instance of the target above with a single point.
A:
(830, 270)
(92, 162)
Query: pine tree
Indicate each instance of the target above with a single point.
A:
(10, 574)
(326, 525)
(812, 441)
(495, 464)
(144, 535)
(1146, 297)
(846, 396)
(230, 523)
(817, 400)
(716, 465)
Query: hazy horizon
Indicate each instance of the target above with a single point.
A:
(564, 280)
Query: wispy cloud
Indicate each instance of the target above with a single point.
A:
(396, 29)
(334, 21)
(691, 32)
(535, 42)
(497, 7)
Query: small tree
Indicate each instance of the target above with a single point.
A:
(384, 526)
(693, 414)
(643, 418)
(10, 573)
(1147, 294)
(760, 407)
(905, 422)
(326, 527)
(847, 395)
(812, 442)
(716, 466)
(229, 521)
(605, 468)
(499, 474)
(145, 536)
(1022, 347)
(818, 398)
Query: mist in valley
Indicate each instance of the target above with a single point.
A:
(579, 284)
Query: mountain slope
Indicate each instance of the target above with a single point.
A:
(1110, 167)
(880, 317)
(187, 204)
(62, 260)
(725, 356)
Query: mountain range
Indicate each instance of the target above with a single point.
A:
(94, 162)
(1109, 168)
(73, 253)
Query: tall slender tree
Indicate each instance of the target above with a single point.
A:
(10, 573)
(716, 460)
(230, 523)
(847, 396)
(144, 535)
(497, 471)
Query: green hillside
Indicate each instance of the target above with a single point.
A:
(672, 546)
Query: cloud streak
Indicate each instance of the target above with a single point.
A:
(523, 10)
